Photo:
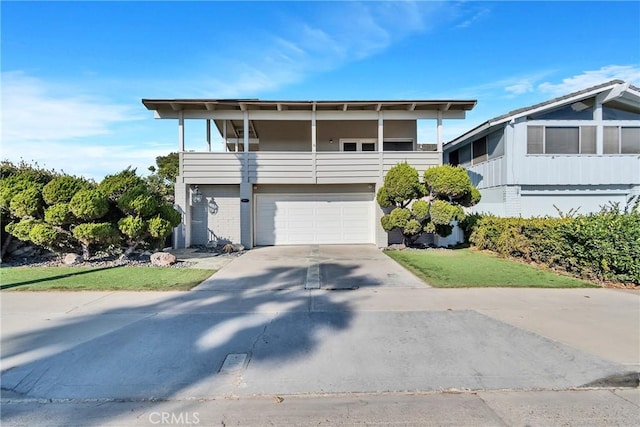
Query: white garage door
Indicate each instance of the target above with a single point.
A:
(293, 219)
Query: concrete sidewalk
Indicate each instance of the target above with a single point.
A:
(613, 407)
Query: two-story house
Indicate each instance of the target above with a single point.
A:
(295, 172)
(579, 151)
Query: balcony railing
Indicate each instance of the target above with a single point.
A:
(325, 167)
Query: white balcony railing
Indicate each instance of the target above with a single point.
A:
(298, 167)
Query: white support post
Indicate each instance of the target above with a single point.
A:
(224, 135)
(181, 130)
(246, 132)
(597, 118)
(380, 131)
(314, 135)
(439, 131)
(208, 134)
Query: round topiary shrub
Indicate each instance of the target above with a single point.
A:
(27, 203)
(132, 226)
(447, 180)
(62, 189)
(159, 228)
(89, 205)
(58, 214)
(21, 229)
(44, 235)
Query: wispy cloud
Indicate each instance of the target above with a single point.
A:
(64, 129)
(628, 73)
(338, 34)
(35, 110)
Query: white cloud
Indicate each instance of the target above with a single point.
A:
(34, 110)
(64, 129)
(628, 73)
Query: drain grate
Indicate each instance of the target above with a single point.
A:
(234, 362)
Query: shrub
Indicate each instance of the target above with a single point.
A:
(11, 186)
(159, 228)
(132, 226)
(138, 201)
(447, 181)
(89, 205)
(114, 186)
(168, 212)
(58, 214)
(27, 203)
(63, 188)
(94, 233)
(45, 235)
(603, 245)
(21, 229)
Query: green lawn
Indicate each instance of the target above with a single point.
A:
(460, 268)
(101, 279)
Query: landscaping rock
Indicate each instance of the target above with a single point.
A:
(163, 259)
(397, 247)
(233, 247)
(71, 259)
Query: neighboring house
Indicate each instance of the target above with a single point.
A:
(295, 172)
(580, 151)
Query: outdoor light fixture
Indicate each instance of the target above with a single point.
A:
(196, 195)
(330, 140)
(212, 205)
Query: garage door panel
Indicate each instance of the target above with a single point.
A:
(307, 219)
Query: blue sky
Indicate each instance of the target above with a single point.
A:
(73, 73)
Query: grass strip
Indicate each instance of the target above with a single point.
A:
(463, 268)
(118, 278)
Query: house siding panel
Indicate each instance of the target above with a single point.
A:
(223, 222)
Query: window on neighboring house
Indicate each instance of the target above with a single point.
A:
(464, 155)
(350, 146)
(453, 158)
(618, 111)
(479, 148)
(495, 144)
(561, 140)
(621, 140)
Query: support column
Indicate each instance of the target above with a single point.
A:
(181, 205)
(209, 135)
(380, 131)
(246, 214)
(181, 130)
(439, 131)
(246, 193)
(224, 135)
(381, 236)
(597, 118)
(314, 143)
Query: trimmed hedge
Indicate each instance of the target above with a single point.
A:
(601, 246)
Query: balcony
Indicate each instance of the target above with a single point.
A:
(334, 167)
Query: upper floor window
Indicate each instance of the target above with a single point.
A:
(619, 111)
(621, 140)
(581, 110)
(482, 149)
(358, 145)
(561, 139)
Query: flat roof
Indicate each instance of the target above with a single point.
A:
(256, 104)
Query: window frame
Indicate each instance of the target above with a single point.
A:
(359, 142)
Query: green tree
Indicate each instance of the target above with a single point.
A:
(415, 207)
(163, 176)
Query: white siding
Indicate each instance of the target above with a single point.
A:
(217, 215)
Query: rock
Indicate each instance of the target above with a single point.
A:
(233, 247)
(163, 259)
(397, 247)
(71, 259)
(24, 251)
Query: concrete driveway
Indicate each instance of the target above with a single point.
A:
(330, 267)
(270, 324)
